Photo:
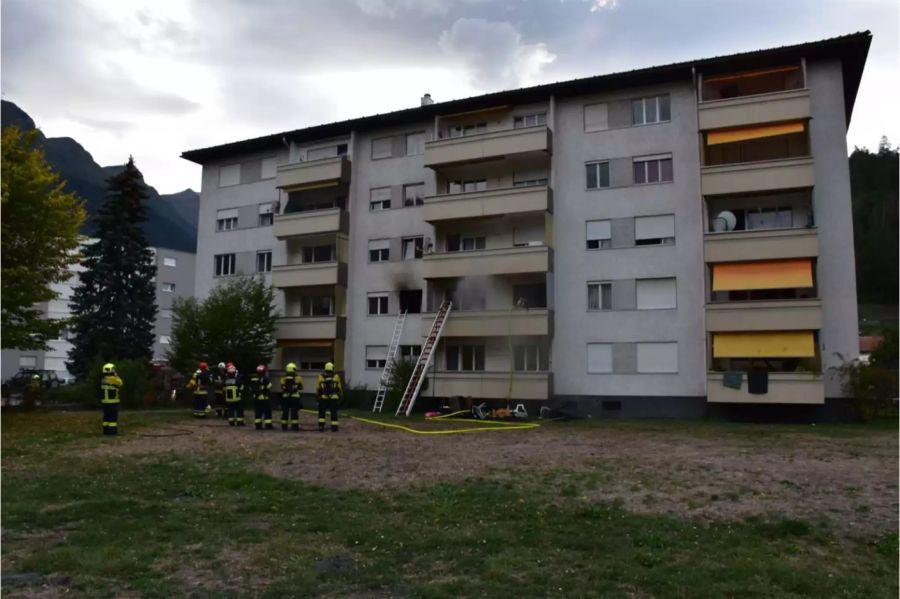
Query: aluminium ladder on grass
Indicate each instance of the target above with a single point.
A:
(389, 362)
(418, 375)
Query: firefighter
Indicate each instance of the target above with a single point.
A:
(218, 383)
(110, 384)
(233, 390)
(291, 386)
(259, 389)
(201, 382)
(329, 392)
(33, 391)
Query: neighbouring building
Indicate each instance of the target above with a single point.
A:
(653, 242)
(174, 278)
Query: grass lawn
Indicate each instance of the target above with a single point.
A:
(183, 515)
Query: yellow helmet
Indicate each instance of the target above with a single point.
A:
(291, 367)
(35, 377)
(109, 368)
(329, 367)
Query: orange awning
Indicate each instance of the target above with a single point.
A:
(732, 135)
(764, 274)
(781, 344)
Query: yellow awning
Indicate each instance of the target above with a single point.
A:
(763, 274)
(783, 344)
(732, 135)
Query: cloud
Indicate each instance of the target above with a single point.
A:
(392, 8)
(599, 5)
(494, 53)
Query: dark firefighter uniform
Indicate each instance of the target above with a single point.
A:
(33, 391)
(233, 401)
(291, 386)
(260, 385)
(201, 383)
(110, 384)
(328, 393)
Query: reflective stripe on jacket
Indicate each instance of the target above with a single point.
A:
(232, 388)
(109, 386)
(259, 387)
(291, 385)
(328, 386)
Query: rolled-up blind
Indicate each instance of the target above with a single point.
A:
(598, 229)
(380, 244)
(781, 344)
(747, 133)
(596, 117)
(654, 227)
(763, 274)
(230, 213)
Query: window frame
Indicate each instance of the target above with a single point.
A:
(266, 261)
(418, 248)
(524, 119)
(599, 285)
(406, 141)
(418, 200)
(385, 304)
(459, 350)
(221, 263)
(657, 106)
(390, 148)
(597, 164)
(167, 259)
(165, 339)
(376, 363)
(587, 355)
(384, 203)
(167, 287)
(645, 161)
(637, 362)
(229, 166)
(600, 245)
(379, 254)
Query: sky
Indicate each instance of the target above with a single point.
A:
(153, 78)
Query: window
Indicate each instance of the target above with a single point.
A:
(654, 230)
(379, 199)
(657, 357)
(311, 365)
(410, 300)
(168, 287)
(227, 220)
(414, 194)
(170, 262)
(379, 250)
(653, 169)
(410, 353)
(27, 361)
(164, 340)
(378, 304)
(317, 253)
(598, 234)
(465, 357)
(532, 295)
(655, 294)
(654, 109)
(599, 296)
(599, 358)
(266, 214)
(269, 167)
(530, 358)
(597, 175)
(463, 130)
(528, 235)
(530, 120)
(225, 265)
(229, 175)
(264, 261)
(412, 248)
(466, 186)
(596, 117)
(733, 85)
(382, 148)
(321, 153)
(165, 313)
(457, 243)
(376, 356)
(517, 182)
(415, 144)
(770, 218)
(316, 305)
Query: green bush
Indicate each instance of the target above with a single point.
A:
(135, 375)
(871, 389)
(398, 378)
(78, 393)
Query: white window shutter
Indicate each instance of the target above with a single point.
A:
(230, 213)
(529, 235)
(657, 357)
(655, 294)
(376, 352)
(599, 357)
(596, 117)
(379, 244)
(654, 227)
(598, 229)
(229, 175)
(269, 166)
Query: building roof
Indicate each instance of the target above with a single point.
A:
(851, 49)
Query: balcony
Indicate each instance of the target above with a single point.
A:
(761, 244)
(776, 315)
(493, 323)
(492, 385)
(492, 145)
(490, 202)
(784, 388)
(313, 222)
(766, 175)
(310, 327)
(313, 273)
(754, 110)
(313, 173)
(501, 261)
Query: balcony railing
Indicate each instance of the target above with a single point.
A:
(315, 172)
(784, 388)
(754, 110)
(489, 202)
(487, 146)
(767, 175)
(500, 261)
(493, 323)
(313, 222)
(761, 244)
(310, 327)
(309, 274)
(764, 315)
(492, 385)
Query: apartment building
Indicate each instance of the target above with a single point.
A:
(654, 242)
(174, 278)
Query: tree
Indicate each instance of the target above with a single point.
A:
(39, 240)
(236, 323)
(114, 304)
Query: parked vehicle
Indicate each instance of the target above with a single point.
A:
(15, 385)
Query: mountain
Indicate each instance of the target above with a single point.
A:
(172, 218)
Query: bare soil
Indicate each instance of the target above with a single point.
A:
(849, 481)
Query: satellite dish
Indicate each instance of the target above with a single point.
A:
(725, 221)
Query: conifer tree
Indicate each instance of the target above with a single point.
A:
(114, 304)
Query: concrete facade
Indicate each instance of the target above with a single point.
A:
(504, 180)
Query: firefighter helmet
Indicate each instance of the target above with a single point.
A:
(261, 369)
(221, 365)
(203, 366)
(329, 367)
(291, 367)
(109, 368)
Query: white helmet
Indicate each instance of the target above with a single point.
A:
(221, 365)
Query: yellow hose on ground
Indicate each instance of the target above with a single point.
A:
(491, 425)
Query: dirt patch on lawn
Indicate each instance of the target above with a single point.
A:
(849, 480)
